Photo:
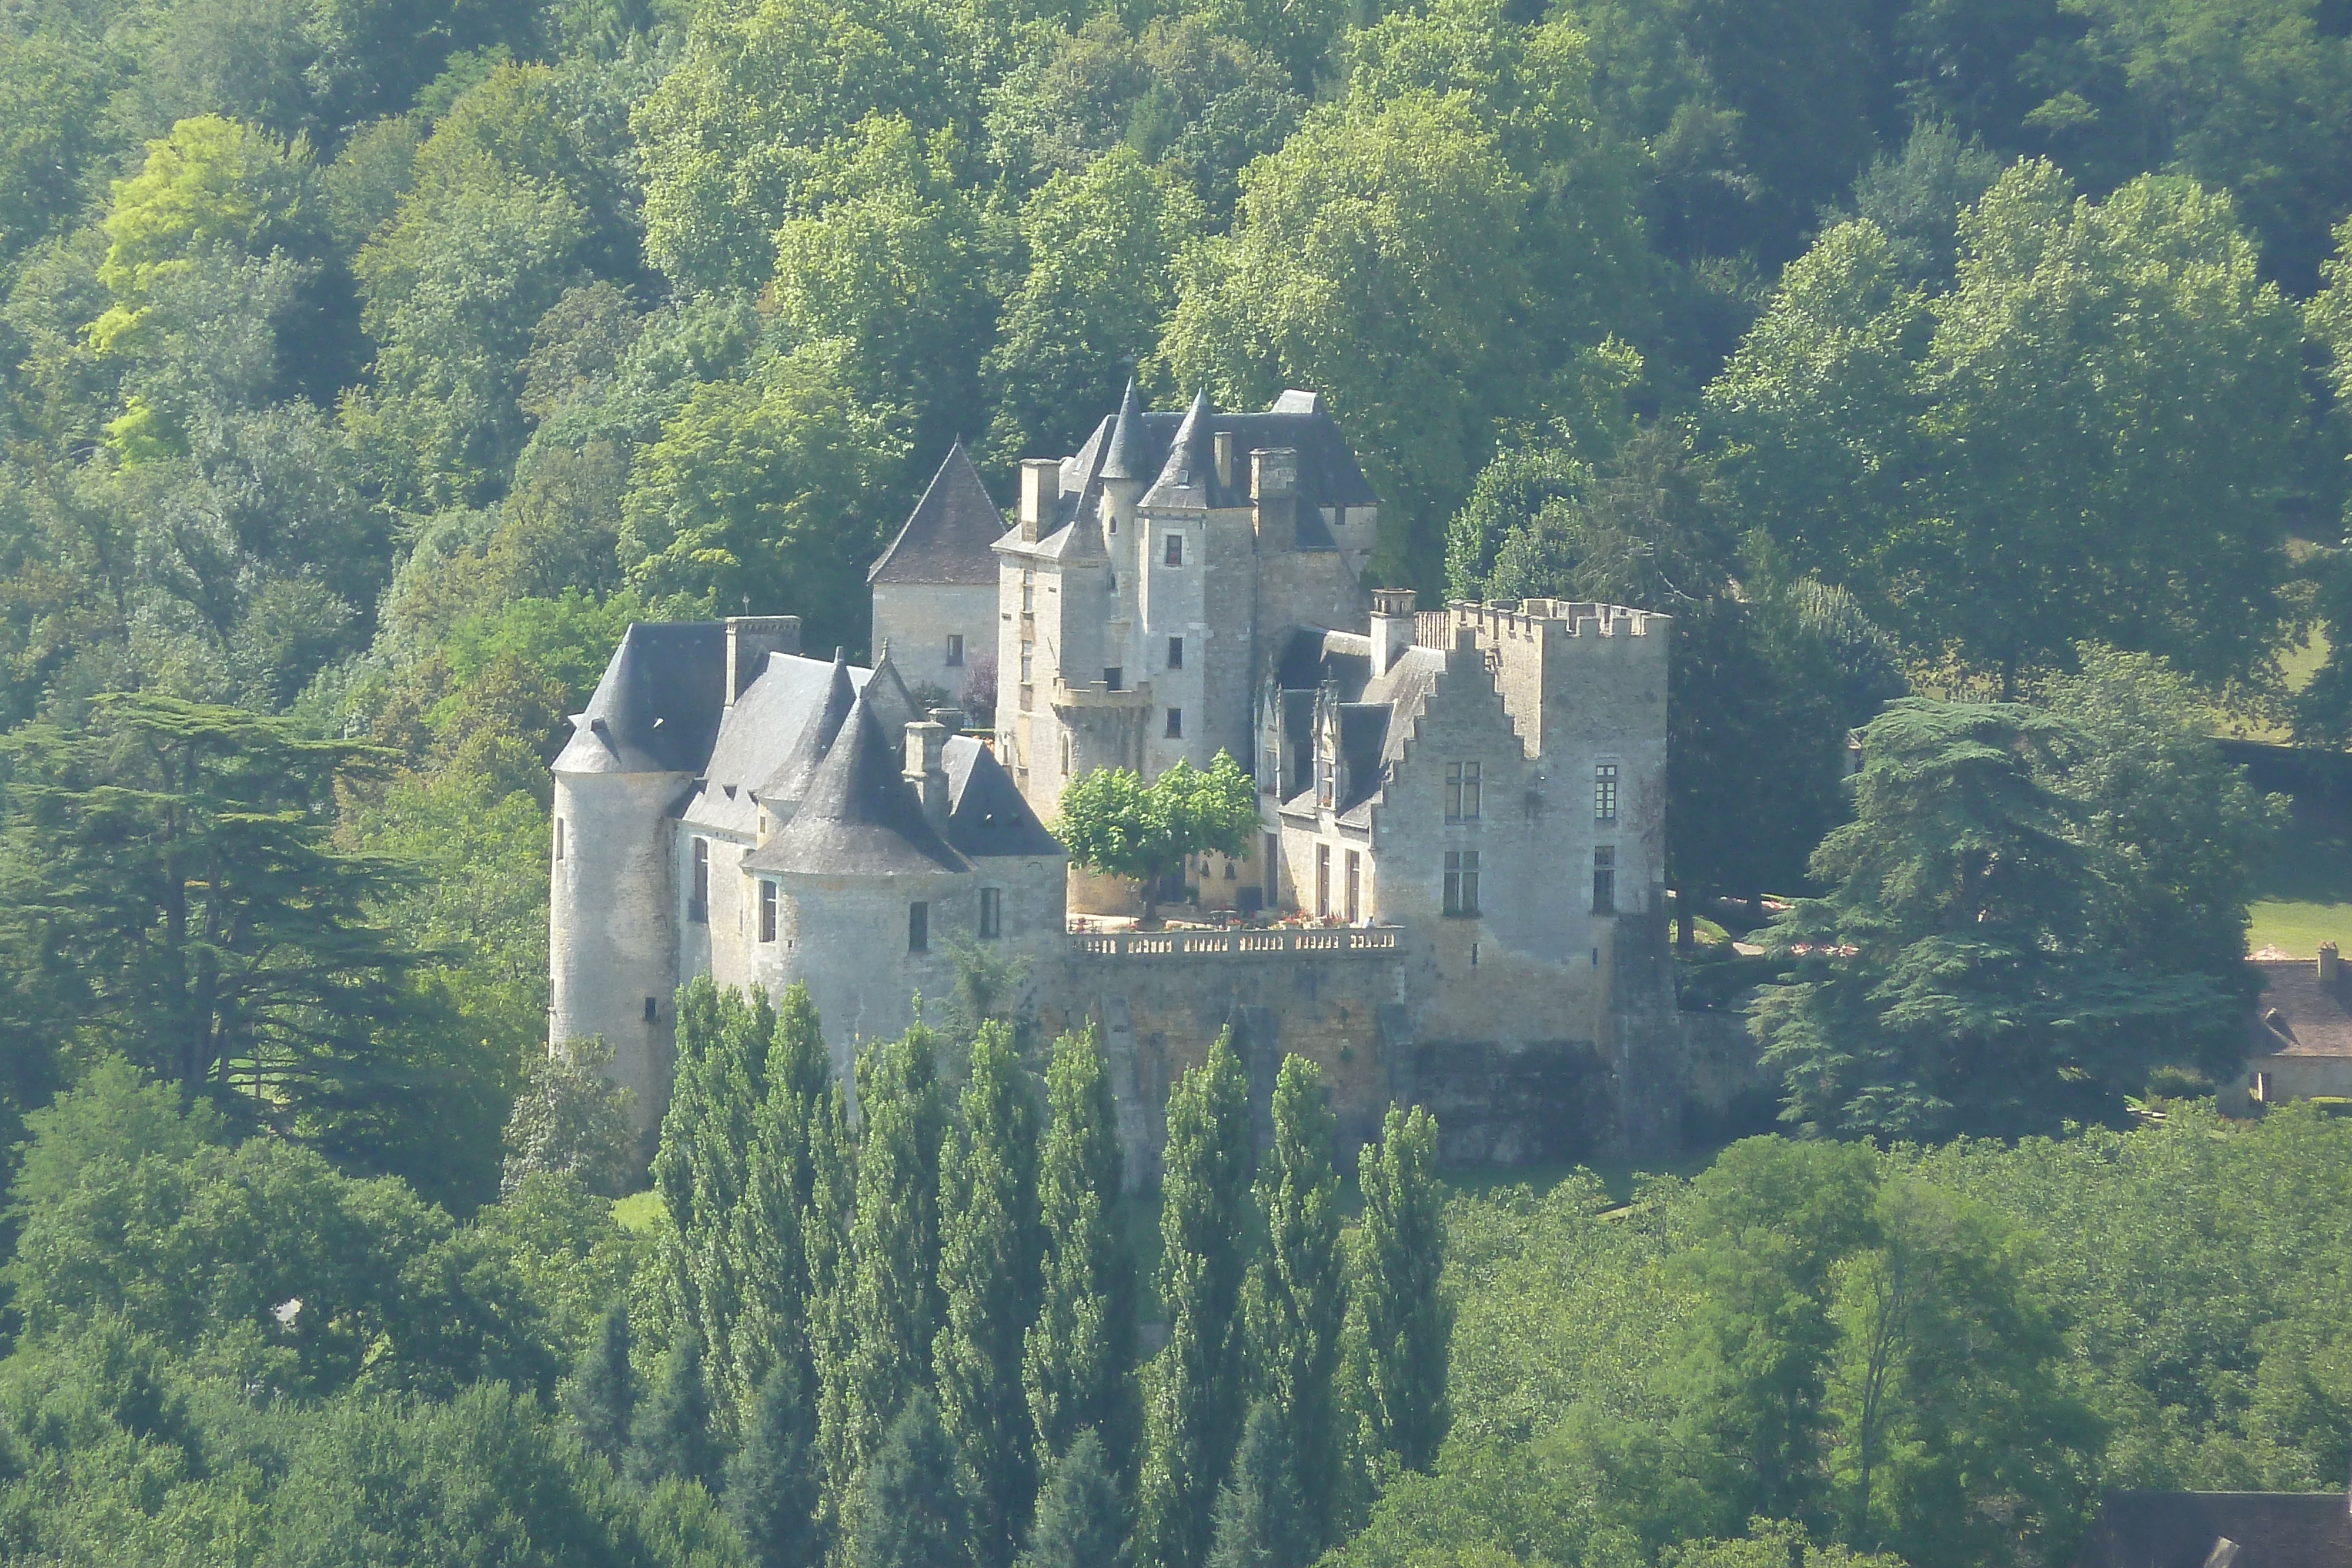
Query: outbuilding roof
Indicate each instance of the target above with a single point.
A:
(2297, 1014)
(2247, 1528)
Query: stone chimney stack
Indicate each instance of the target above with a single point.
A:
(1041, 487)
(2327, 962)
(1392, 627)
(750, 640)
(1274, 492)
(927, 771)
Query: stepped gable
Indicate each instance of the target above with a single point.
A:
(947, 538)
(859, 818)
(658, 707)
(791, 778)
(988, 815)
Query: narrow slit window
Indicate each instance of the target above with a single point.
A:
(698, 905)
(653, 1009)
(955, 650)
(1355, 886)
(1175, 723)
(992, 913)
(1604, 879)
(1175, 652)
(918, 928)
(558, 838)
(1322, 881)
(1175, 553)
(767, 912)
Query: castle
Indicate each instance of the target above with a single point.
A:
(1454, 898)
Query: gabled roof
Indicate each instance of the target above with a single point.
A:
(988, 816)
(2181, 1528)
(947, 539)
(656, 708)
(2297, 1015)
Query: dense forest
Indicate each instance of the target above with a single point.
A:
(1969, 373)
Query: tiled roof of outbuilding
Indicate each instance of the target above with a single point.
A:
(2295, 1015)
(2180, 1530)
(948, 537)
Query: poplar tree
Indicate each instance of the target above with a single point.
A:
(771, 1482)
(914, 1516)
(703, 1166)
(1263, 1514)
(1401, 1303)
(1080, 1522)
(674, 1435)
(782, 1191)
(1079, 1351)
(602, 1396)
(889, 1294)
(1193, 1415)
(1297, 1303)
(989, 1245)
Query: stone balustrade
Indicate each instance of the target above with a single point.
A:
(1243, 943)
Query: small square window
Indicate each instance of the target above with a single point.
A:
(1175, 723)
(992, 913)
(1460, 882)
(955, 650)
(919, 928)
(1175, 556)
(767, 912)
(1175, 652)
(1114, 677)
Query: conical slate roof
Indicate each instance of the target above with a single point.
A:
(1192, 466)
(794, 776)
(1125, 459)
(859, 818)
(946, 539)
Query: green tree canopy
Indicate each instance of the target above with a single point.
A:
(1115, 822)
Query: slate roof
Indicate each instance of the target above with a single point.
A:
(1377, 713)
(790, 779)
(2297, 1015)
(861, 818)
(1144, 444)
(656, 708)
(2181, 1528)
(947, 538)
(772, 714)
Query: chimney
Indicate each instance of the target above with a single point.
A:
(1392, 627)
(1224, 448)
(750, 640)
(2327, 962)
(1041, 490)
(926, 772)
(948, 718)
(1274, 491)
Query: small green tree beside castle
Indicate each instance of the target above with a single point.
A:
(1296, 1302)
(1115, 823)
(1399, 1305)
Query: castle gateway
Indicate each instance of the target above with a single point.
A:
(1455, 894)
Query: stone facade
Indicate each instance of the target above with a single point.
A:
(1461, 812)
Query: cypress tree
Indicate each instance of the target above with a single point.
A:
(1193, 1416)
(771, 1481)
(1401, 1303)
(825, 1242)
(1076, 1356)
(1261, 1514)
(1297, 1304)
(1080, 1523)
(910, 1514)
(989, 1247)
(889, 1293)
(602, 1397)
(674, 1428)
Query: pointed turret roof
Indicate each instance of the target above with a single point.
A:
(794, 776)
(947, 538)
(1184, 478)
(1125, 459)
(859, 818)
